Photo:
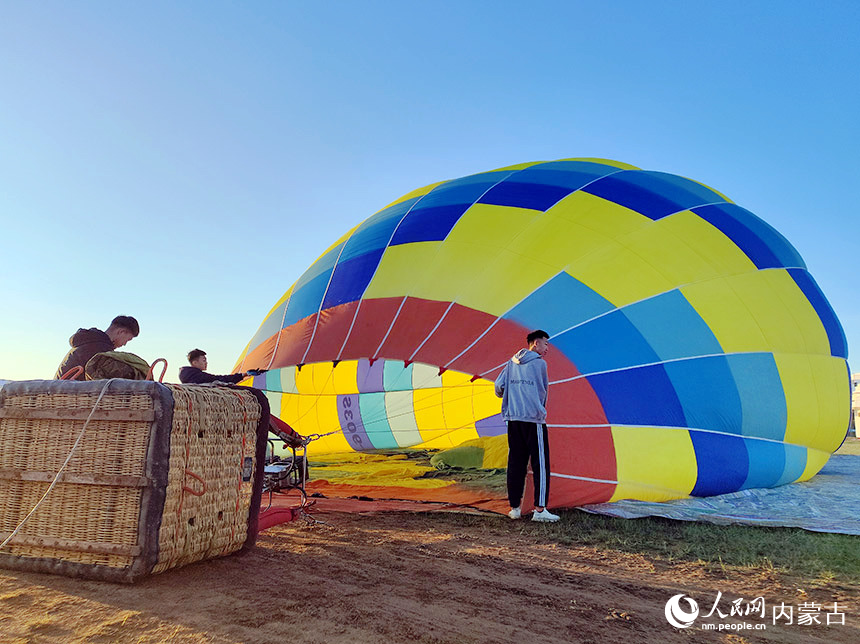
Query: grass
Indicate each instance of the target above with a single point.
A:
(819, 556)
(815, 557)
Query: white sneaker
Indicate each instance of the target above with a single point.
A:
(545, 515)
(515, 513)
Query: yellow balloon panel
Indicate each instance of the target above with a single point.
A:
(759, 311)
(494, 227)
(497, 297)
(654, 463)
(402, 270)
(816, 388)
(619, 275)
(428, 412)
(685, 249)
(605, 218)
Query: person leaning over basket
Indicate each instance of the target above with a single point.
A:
(88, 342)
(196, 374)
(523, 386)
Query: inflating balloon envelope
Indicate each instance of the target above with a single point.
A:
(692, 353)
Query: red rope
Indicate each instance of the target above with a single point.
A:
(72, 373)
(152, 368)
(184, 487)
(199, 478)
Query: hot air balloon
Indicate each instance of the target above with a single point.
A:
(692, 353)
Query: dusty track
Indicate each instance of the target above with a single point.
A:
(404, 577)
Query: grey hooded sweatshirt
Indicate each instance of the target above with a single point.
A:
(522, 386)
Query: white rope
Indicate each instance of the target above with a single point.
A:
(62, 467)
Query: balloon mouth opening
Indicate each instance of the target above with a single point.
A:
(382, 404)
(365, 375)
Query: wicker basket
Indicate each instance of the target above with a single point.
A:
(164, 475)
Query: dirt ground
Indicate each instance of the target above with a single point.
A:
(413, 577)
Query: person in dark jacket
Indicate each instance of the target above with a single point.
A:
(196, 373)
(88, 342)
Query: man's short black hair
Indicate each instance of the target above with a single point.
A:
(126, 322)
(194, 354)
(535, 335)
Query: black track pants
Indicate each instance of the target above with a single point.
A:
(527, 441)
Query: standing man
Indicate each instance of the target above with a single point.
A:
(523, 386)
(88, 342)
(196, 373)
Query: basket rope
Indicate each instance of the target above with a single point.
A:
(177, 553)
(240, 469)
(60, 471)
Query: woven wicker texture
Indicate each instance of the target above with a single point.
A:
(99, 515)
(214, 434)
(95, 515)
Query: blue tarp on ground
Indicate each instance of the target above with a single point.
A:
(830, 502)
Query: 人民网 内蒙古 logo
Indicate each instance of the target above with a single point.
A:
(677, 616)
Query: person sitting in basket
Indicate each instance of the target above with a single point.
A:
(88, 342)
(196, 374)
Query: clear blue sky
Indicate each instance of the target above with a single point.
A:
(184, 162)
